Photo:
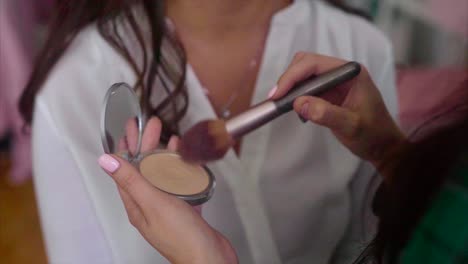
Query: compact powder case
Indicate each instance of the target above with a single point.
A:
(122, 125)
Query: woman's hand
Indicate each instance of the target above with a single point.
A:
(354, 111)
(169, 224)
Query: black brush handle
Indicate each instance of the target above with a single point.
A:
(318, 84)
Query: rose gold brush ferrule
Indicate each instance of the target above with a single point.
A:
(252, 119)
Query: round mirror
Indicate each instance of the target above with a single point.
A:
(121, 122)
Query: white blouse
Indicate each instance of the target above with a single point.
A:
(295, 195)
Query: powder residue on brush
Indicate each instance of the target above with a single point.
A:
(170, 173)
(206, 141)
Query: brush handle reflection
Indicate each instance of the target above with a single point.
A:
(252, 119)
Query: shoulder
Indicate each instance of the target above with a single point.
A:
(351, 37)
(86, 63)
(364, 36)
(74, 90)
(84, 72)
(364, 39)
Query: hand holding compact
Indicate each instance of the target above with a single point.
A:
(168, 223)
(124, 132)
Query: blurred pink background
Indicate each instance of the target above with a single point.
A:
(19, 24)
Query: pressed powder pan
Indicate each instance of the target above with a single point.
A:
(122, 125)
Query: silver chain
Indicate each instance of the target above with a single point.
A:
(225, 110)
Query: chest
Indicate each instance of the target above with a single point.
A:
(228, 73)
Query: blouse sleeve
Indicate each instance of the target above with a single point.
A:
(70, 227)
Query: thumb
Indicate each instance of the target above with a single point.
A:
(338, 119)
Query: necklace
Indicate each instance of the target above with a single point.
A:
(225, 109)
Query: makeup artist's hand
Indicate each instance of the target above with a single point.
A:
(169, 224)
(354, 111)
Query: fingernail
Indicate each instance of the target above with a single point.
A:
(108, 163)
(302, 118)
(272, 91)
(305, 111)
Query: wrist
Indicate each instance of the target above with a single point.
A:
(221, 252)
(387, 149)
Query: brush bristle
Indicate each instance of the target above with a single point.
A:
(206, 141)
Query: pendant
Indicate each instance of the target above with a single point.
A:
(225, 113)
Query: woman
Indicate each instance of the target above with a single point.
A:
(194, 60)
(422, 203)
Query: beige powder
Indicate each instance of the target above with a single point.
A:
(170, 173)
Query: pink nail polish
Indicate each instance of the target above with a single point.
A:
(272, 91)
(108, 163)
(305, 111)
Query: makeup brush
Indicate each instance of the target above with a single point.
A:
(210, 140)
